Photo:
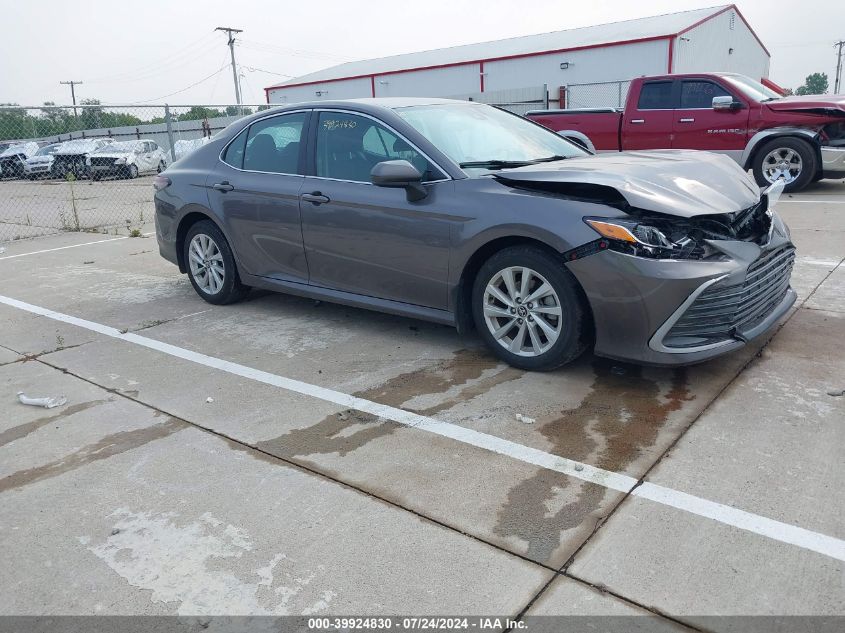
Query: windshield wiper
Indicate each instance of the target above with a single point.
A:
(549, 159)
(495, 164)
(504, 164)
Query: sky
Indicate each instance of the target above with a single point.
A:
(154, 51)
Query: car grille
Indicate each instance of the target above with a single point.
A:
(720, 312)
(99, 161)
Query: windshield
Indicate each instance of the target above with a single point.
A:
(122, 146)
(485, 136)
(754, 90)
(47, 150)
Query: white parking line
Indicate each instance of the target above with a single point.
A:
(727, 515)
(781, 201)
(61, 248)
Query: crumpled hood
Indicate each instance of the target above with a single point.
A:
(675, 182)
(835, 104)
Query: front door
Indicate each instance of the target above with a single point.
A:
(698, 126)
(255, 191)
(372, 240)
(648, 125)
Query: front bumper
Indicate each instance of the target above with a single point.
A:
(109, 169)
(36, 169)
(638, 302)
(833, 162)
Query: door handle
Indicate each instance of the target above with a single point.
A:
(637, 120)
(223, 187)
(315, 197)
(686, 120)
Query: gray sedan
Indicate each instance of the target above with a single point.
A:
(460, 213)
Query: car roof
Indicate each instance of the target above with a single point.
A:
(372, 102)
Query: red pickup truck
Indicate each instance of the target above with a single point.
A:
(796, 139)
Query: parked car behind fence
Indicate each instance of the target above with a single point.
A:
(126, 159)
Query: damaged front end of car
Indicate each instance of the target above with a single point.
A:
(678, 288)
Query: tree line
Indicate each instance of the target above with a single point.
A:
(50, 120)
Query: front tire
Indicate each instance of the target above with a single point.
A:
(529, 309)
(792, 160)
(132, 172)
(211, 265)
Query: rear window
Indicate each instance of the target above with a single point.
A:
(656, 95)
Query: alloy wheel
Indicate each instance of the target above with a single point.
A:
(206, 264)
(522, 311)
(782, 163)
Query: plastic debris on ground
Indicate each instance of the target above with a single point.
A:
(47, 403)
(524, 419)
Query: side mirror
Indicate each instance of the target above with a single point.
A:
(399, 174)
(726, 103)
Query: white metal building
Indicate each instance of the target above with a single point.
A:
(712, 39)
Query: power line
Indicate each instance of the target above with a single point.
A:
(230, 32)
(190, 51)
(269, 72)
(283, 50)
(72, 92)
(197, 83)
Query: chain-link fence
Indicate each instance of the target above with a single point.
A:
(89, 168)
(606, 94)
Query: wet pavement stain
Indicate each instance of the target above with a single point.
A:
(22, 430)
(108, 446)
(343, 432)
(621, 416)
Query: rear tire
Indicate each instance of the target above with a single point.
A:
(540, 331)
(211, 265)
(790, 159)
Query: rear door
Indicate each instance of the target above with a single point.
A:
(698, 126)
(255, 190)
(648, 125)
(371, 240)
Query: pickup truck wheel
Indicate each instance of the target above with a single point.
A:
(528, 309)
(791, 160)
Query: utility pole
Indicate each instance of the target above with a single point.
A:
(229, 31)
(840, 44)
(72, 93)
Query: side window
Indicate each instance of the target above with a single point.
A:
(234, 154)
(272, 145)
(699, 94)
(349, 146)
(153, 146)
(656, 95)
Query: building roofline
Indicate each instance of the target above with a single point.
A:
(718, 13)
(718, 10)
(469, 62)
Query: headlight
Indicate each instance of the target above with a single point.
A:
(644, 239)
(120, 161)
(630, 231)
(88, 160)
